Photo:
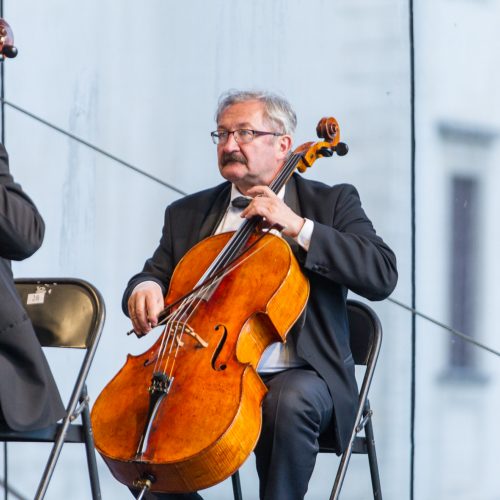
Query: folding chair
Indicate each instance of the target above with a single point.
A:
(366, 339)
(65, 312)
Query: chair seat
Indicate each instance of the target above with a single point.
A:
(327, 445)
(46, 435)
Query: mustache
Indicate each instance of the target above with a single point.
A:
(232, 158)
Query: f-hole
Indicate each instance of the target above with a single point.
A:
(222, 366)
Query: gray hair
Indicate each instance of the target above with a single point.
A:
(276, 108)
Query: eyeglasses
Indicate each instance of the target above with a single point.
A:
(241, 136)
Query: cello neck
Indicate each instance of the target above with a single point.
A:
(285, 173)
(236, 244)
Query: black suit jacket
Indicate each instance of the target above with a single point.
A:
(28, 395)
(344, 253)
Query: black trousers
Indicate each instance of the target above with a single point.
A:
(295, 411)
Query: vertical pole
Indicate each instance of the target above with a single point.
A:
(5, 471)
(2, 139)
(2, 105)
(413, 252)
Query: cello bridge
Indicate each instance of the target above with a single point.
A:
(179, 328)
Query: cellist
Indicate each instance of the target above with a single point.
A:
(311, 383)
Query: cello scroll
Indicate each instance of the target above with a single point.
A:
(327, 129)
(7, 48)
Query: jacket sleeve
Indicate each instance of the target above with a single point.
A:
(347, 250)
(21, 226)
(158, 268)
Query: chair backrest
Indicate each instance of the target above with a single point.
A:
(365, 332)
(65, 312)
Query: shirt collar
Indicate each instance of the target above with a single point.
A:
(235, 193)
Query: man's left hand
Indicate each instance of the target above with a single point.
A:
(273, 210)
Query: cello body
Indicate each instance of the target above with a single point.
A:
(209, 421)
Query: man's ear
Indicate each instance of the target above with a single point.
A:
(285, 144)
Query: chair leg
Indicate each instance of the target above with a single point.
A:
(372, 458)
(50, 466)
(235, 478)
(5, 471)
(58, 444)
(90, 448)
(341, 471)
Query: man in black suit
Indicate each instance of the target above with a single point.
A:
(311, 380)
(28, 395)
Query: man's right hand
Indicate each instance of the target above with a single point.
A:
(144, 305)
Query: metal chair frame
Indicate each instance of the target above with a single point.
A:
(366, 339)
(68, 302)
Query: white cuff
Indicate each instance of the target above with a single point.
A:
(305, 234)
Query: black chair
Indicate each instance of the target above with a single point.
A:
(366, 339)
(71, 315)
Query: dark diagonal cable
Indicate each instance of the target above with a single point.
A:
(9, 489)
(92, 146)
(463, 336)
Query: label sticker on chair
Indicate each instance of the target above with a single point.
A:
(38, 297)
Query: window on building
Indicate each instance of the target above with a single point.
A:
(463, 270)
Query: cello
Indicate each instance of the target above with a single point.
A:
(7, 48)
(186, 414)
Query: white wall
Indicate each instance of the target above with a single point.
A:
(141, 80)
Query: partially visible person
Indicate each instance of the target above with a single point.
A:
(29, 398)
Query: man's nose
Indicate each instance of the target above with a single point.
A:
(231, 144)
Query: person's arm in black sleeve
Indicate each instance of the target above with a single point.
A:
(141, 301)
(348, 251)
(21, 226)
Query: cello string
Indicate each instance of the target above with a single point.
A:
(210, 282)
(170, 333)
(183, 319)
(181, 316)
(202, 291)
(201, 295)
(242, 234)
(285, 172)
(244, 231)
(207, 282)
(225, 257)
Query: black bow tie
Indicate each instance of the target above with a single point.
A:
(241, 202)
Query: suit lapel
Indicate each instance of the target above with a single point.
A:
(292, 200)
(216, 212)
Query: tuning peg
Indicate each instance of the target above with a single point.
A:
(325, 152)
(341, 149)
(9, 51)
